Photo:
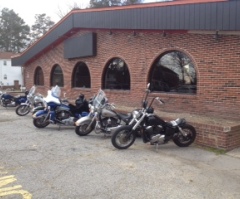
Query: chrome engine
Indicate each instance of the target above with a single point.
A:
(109, 125)
(65, 118)
(159, 139)
(155, 135)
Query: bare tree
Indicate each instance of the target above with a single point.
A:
(61, 13)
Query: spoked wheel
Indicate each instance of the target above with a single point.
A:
(22, 110)
(83, 129)
(187, 138)
(40, 123)
(121, 139)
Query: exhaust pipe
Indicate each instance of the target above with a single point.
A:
(111, 130)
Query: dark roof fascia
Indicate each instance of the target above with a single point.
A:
(135, 17)
(53, 36)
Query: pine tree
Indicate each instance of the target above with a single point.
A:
(14, 33)
(42, 24)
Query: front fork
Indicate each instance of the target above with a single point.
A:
(135, 125)
(92, 121)
(48, 116)
(182, 131)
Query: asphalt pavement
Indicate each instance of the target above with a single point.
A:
(58, 164)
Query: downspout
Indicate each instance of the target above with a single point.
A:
(23, 79)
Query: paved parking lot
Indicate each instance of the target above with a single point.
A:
(52, 164)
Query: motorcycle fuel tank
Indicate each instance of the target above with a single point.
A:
(153, 120)
(108, 113)
(63, 108)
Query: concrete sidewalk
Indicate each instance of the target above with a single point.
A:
(235, 153)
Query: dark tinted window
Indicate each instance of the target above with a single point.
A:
(57, 76)
(81, 76)
(38, 77)
(116, 75)
(173, 72)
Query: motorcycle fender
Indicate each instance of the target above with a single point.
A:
(36, 109)
(40, 113)
(84, 119)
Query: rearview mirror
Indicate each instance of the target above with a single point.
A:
(148, 85)
(159, 100)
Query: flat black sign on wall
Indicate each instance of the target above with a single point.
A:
(83, 46)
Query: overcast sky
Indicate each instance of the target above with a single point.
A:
(27, 9)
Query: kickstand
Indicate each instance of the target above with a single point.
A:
(156, 146)
(59, 127)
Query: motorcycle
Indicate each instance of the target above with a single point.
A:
(32, 101)
(8, 100)
(102, 117)
(153, 128)
(41, 107)
(57, 112)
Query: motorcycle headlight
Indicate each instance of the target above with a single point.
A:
(37, 99)
(91, 108)
(136, 114)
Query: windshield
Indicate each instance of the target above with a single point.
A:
(32, 90)
(56, 91)
(100, 99)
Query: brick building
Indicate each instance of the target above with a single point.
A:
(188, 50)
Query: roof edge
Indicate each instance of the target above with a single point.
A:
(127, 7)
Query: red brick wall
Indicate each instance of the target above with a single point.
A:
(216, 62)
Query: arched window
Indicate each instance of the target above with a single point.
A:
(38, 77)
(81, 76)
(116, 75)
(57, 76)
(173, 71)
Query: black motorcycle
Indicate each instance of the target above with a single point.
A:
(153, 128)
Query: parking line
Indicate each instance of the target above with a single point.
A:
(12, 190)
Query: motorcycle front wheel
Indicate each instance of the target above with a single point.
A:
(40, 123)
(4, 104)
(82, 130)
(23, 110)
(121, 139)
(185, 140)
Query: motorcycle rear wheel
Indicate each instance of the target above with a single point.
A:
(81, 130)
(120, 140)
(185, 141)
(22, 110)
(39, 122)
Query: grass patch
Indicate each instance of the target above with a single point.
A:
(214, 150)
(217, 151)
